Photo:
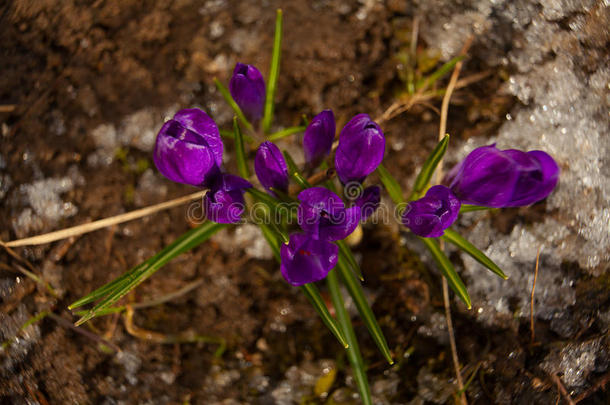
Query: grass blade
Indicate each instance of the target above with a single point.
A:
(391, 185)
(314, 297)
(141, 272)
(346, 252)
(429, 80)
(459, 241)
(425, 174)
(274, 72)
(470, 208)
(286, 132)
(225, 133)
(240, 153)
(355, 290)
(229, 99)
(294, 172)
(310, 290)
(353, 351)
(445, 266)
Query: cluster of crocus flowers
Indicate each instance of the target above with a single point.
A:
(487, 177)
(323, 216)
(189, 150)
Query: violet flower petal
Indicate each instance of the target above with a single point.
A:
(306, 260)
(188, 148)
(503, 178)
(247, 88)
(486, 177)
(431, 215)
(224, 203)
(368, 202)
(318, 138)
(323, 215)
(271, 168)
(361, 149)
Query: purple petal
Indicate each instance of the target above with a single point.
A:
(431, 215)
(203, 126)
(361, 149)
(318, 138)
(306, 260)
(322, 214)
(184, 161)
(537, 183)
(224, 203)
(247, 88)
(270, 167)
(368, 201)
(486, 177)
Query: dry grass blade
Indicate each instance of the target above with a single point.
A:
(532, 296)
(102, 223)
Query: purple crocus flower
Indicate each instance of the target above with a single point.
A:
(361, 149)
(368, 201)
(318, 138)
(270, 167)
(305, 259)
(247, 88)
(322, 214)
(224, 203)
(431, 215)
(188, 148)
(503, 178)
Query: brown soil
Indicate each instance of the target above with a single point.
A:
(88, 64)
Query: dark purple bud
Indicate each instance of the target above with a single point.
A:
(323, 215)
(270, 167)
(503, 178)
(319, 137)
(306, 260)
(431, 215)
(188, 148)
(247, 88)
(224, 203)
(361, 148)
(368, 201)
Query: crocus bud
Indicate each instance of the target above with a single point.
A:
(361, 149)
(368, 201)
(322, 214)
(188, 148)
(503, 178)
(224, 203)
(270, 167)
(431, 215)
(318, 138)
(247, 88)
(305, 259)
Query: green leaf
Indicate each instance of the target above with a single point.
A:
(425, 174)
(271, 240)
(391, 185)
(353, 351)
(310, 290)
(230, 135)
(429, 80)
(240, 153)
(469, 208)
(445, 266)
(459, 241)
(355, 290)
(314, 297)
(115, 290)
(286, 132)
(294, 172)
(229, 99)
(347, 254)
(274, 72)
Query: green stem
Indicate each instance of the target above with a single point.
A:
(274, 72)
